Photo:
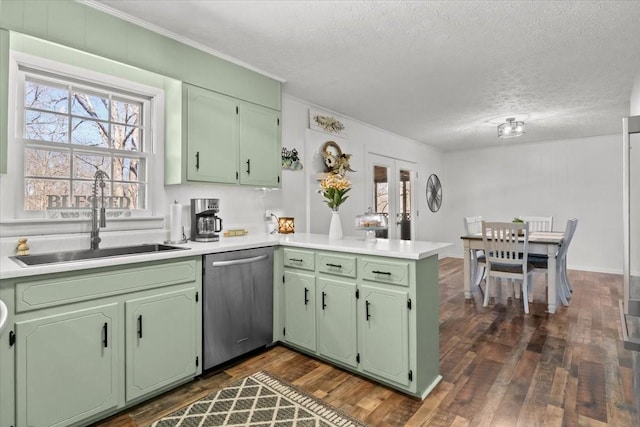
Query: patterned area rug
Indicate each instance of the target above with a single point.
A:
(259, 400)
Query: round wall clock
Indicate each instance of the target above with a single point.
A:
(434, 193)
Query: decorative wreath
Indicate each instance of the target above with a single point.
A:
(334, 160)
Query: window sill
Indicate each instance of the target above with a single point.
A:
(49, 226)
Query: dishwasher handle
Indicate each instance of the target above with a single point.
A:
(239, 261)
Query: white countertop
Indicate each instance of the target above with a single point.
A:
(414, 250)
(382, 247)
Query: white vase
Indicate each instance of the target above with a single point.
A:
(335, 228)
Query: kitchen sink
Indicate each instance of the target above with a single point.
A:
(91, 254)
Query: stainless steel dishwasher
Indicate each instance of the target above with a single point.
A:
(237, 304)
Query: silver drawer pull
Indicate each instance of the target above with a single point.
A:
(239, 261)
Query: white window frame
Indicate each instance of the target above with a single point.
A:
(12, 185)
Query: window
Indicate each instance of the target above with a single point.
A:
(71, 129)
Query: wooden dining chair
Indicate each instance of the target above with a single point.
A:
(473, 225)
(506, 256)
(541, 263)
(538, 223)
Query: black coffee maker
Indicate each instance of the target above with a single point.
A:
(205, 225)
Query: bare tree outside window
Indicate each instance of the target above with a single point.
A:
(70, 131)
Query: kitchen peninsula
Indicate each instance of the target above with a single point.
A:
(371, 308)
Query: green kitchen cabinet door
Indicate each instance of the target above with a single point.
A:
(260, 146)
(212, 136)
(299, 309)
(383, 326)
(160, 341)
(67, 366)
(336, 305)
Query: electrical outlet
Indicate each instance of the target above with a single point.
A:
(268, 215)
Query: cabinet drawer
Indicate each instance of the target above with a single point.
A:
(299, 259)
(68, 288)
(393, 272)
(342, 265)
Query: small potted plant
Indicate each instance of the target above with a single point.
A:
(518, 220)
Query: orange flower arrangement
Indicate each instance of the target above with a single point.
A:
(334, 188)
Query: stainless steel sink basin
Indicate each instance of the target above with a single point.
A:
(89, 254)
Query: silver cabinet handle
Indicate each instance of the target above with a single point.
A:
(239, 261)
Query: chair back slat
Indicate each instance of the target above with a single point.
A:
(502, 242)
(506, 255)
(472, 224)
(539, 223)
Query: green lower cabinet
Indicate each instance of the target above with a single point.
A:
(383, 333)
(377, 316)
(67, 366)
(84, 345)
(336, 307)
(300, 309)
(160, 341)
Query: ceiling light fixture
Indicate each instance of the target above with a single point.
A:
(511, 129)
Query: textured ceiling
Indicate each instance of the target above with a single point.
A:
(440, 72)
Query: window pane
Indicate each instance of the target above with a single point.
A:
(88, 105)
(46, 163)
(126, 138)
(105, 129)
(128, 169)
(86, 165)
(83, 194)
(381, 188)
(43, 194)
(46, 97)
(129, 195)
(126, 112)
(90, 133)
(46, 126)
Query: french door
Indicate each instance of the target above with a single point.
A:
(390, 191)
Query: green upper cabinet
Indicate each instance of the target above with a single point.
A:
(211, 136)
(228, 141)
(260, 146)
(85, 29)
(67, 366)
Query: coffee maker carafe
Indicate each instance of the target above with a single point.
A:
(204, 223)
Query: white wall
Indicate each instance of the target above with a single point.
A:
(299, 197)
(635, 98)
(579, 178)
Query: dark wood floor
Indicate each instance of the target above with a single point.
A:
(500, 367)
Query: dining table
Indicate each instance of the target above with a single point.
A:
(540, 242)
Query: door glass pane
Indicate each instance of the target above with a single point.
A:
(404, 204)
(381, 195)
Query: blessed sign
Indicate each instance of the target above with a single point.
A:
(64, 202)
